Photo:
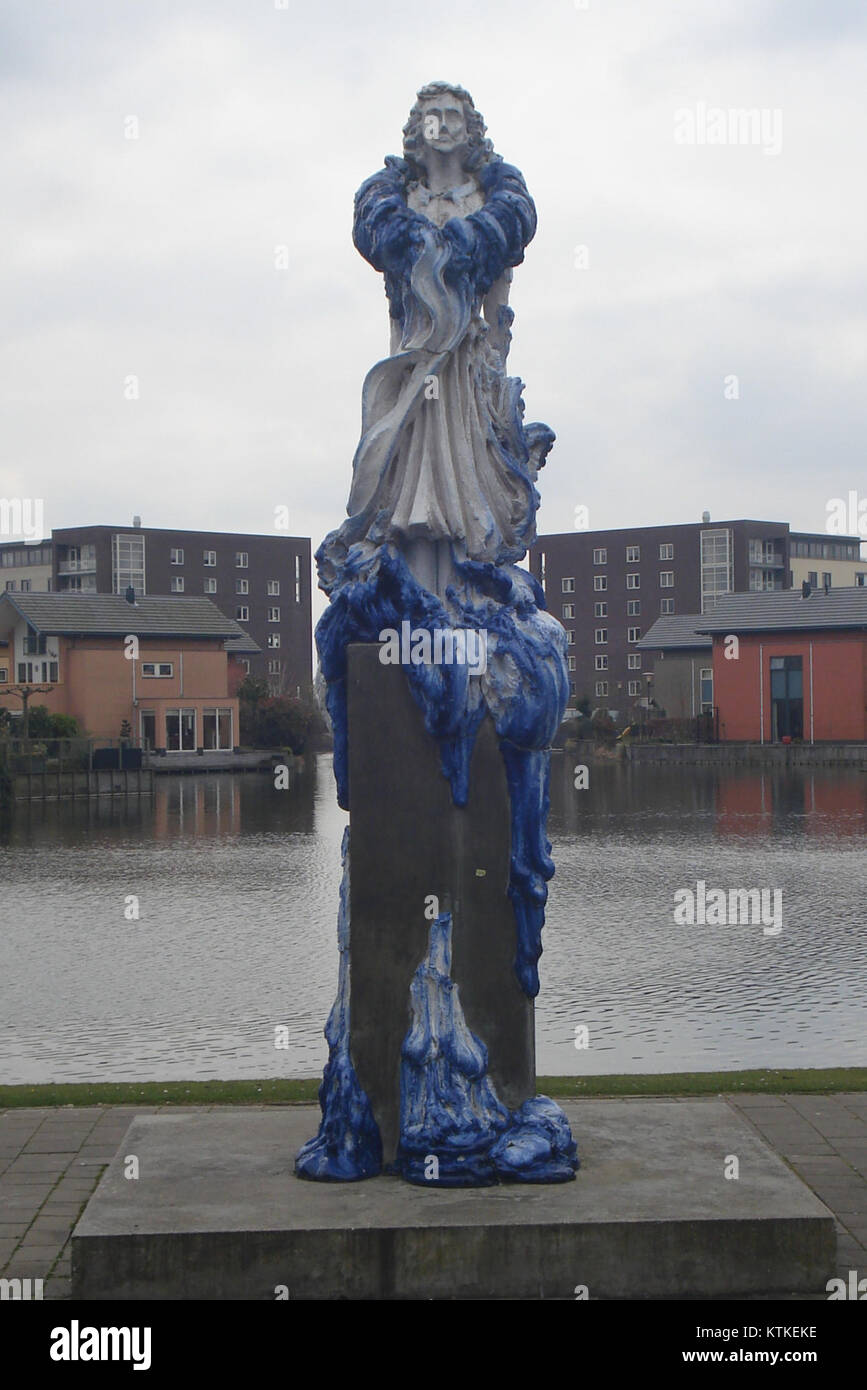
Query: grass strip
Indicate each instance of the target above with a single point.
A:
(279, 1092)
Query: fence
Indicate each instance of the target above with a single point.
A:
(55, 768)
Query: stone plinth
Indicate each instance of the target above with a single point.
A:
(218, 1214)
(409, 841)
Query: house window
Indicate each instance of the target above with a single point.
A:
(635, 687)
(602, 663)
(274, 667)
(25, 586)
(210, 586)
(633, 581)
(633, 554)
(273, 615)
(164, 669)
(600, 557)
(148, 727)
(706, 676)
(242, 613)
(177, 583)
(600, 582)
(666, 551)
(34, 643)
(53, 671)
(25, 672)
(633, 607)
(241, 559)
(666, 579)
(242, 586)
(297, 578)
(209, 557)
(217, 730)
(4, 674)
(273, 639)
(568, 610)
(633, 661)
(571, 687)
(826, 580)
(570, 662)
(601, 687)
(11, 585)
(273, 588)
(601, 610)
(570, 637)
(568, 586)
(181, 730)
(245, 662)
(666, 605)
(813, 579)
(176, 557)
(633, 634)
(601, 636)
(860, 579)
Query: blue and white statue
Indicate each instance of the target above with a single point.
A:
(442, 506)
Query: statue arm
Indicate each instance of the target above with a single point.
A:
(489, 242)
(384, 229)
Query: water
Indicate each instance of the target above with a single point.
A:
(237, 889)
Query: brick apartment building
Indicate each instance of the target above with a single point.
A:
(260, 582)
(609, 587)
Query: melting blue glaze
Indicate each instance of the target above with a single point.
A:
(348, 1146)
(454, 1130)
(450, 1115)
(538, 1146)
(525, 689)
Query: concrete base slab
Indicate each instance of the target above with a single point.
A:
(217, 1213)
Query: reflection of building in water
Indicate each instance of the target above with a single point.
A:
(200, 806)
(815, 803)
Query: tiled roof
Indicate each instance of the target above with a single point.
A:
(787, 611)
(109, 615)
(675, 631)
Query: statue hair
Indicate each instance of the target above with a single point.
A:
(480, 151)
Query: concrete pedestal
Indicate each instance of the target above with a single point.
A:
(217, 1214)
(409, 841)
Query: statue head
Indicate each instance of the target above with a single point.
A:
(445, 120)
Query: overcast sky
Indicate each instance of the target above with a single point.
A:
(154, 257)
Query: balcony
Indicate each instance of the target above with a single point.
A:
(77, 566)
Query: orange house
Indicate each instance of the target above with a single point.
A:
(165, 665)
(790, 665)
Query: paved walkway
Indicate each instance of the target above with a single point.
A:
(52, 1159)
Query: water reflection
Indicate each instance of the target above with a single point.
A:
(237, 889)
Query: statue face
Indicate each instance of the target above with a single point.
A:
(443, 125)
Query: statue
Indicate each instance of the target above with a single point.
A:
(442, 505)
(445, 225)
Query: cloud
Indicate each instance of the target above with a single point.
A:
(155, 256)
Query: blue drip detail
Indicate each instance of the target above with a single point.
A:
(454, 1130)
(448, 1108)
(348, 1146)
(538, 1146)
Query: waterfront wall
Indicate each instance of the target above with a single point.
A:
(50, 785)
(750, 754)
